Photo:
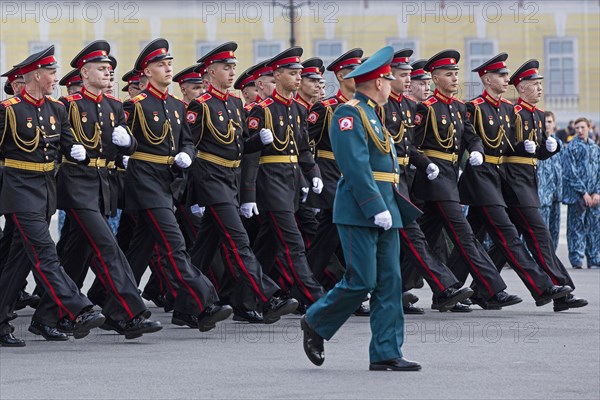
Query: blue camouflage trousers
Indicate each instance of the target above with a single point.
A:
(583, 234)
(551, 215)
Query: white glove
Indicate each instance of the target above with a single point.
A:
(183, 160)
(432, 171)
(304, 191)
(529, 146)
(78, 152)
(120, 137)
(125, 161)
(197, 210)
(551, 144)
(248, 209)
(266, 136)
(475, 158)
(317, 186)
(384, 220)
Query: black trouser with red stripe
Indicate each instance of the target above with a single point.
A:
(419, 257)
(87, 238)
(32, 237)
(5, 244)
(283, 235)
(529, 223)
(322, 253)
(194, 291)
(496, 222)
(449, 215)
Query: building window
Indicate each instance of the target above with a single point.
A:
(204, 47)
(478, 51)
(399, 44)
(329, 51)
(264, 49)
(561, 67)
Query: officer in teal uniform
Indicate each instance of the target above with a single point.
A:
(368, 211)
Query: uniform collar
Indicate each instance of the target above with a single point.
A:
(300, 100)
(157, 93)
(280, 99)
(488, 97)
(258, 99)
(442, 98)
(217, 93)
(396, 97)
(341, 97)
(91, 96)
(363, 97)
(32, 100)
(526, 105)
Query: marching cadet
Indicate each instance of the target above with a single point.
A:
(190, 82)
(153, 181)
(528, 144)
(481, 186)
(278, 178)
(221, 138)
(441, 128)
(420, 81)
(368, 211)
(72, 81)
(326, 241)
(110, 88)
(35, 125)
(310, 88)
(246, 83)
(133, 83)
(84, 193)
(397, 116)
(582, 196)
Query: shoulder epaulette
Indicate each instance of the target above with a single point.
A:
(506, 101)
(329, 102)
(178, 99)
(113, 97)
(234, 95)
(139, 97)
(266, 102)
(249, 106)
(430, 101)
(55, 100)
(73, 97)
(518, 108)
(410, 98)
(203, 97)
(11, 101)
(477, 101)
(353, 102)
(540, 110)
(460, 101)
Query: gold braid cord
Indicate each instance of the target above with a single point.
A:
(75, 118)
(384, 146)
(444, 143)
(148, 134)
(226, 138)
(326, 123)
(27, 146)
(269, 125)
(491, 143)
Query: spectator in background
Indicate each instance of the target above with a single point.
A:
(581, 191)
(550, 185)
(567, 134)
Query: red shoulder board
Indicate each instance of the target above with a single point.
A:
(330, 102)
(478, 101)
(139, 97)
(110, 96)
(266, 102)
(249, 106)
(430, 101)
(54, 100)
(11, 101)
(234, 95)
(540, 110)
(460, 101)
(203, 97)
(506, 101)
(178, 99)
(410, 98)
(518, 108)
(73, 97)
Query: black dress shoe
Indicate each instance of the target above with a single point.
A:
(412, 309)
(449, 297)
(25, 299)
(457, 308)
(112, 325)
(208, 319)
(312, 343)
(169, 302)
(86, 321)
(276, 307)
(553, 292)
(13, 316)
(408, 297)
(503, 299)
(49, 333)
(183, 319)
(570, 301)
(139, 325)
(157, 298)
(467, 302)
(250, 316)
(397, 364)
(483, 303)
(362, 311)
(301, 309)
(65, 325)
(9, 340)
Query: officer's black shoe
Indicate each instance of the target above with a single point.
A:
(9, 340)
(301, 309)
(397, 364)
(449, 297)
(169, 302)
(183, 319)
(13, 316)
(362, 311)
(139, 325)
(86, 321)
(408, 297)
(250, 316)
(467, 302)
(157, 298)
(484, 303)
(65, 325)
(503, 299)
(570, 301)
(553, 292)
(112, 325)
(49, 333)
(412, 309)
(313, 343)
(208, 319)
(276, 307)
(25, 299)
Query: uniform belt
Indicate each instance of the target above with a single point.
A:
(495, 160)
(153, 158)
(325, 154)
(278, 159)
(223, 162)
(386, 177)
(520, 160)
(452, 157)
(403, 161)
(111, 165)
(94, 162)
(29, 166)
